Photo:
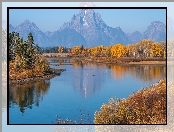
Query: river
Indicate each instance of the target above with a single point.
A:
(78, 92)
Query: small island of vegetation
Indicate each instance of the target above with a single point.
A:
(25, 61)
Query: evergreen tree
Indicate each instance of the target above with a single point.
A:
(30, 50)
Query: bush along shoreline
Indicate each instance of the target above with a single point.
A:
(147, 106)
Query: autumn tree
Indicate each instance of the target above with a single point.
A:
(85, 52)
(144, 47)
(163, 45)
(156, 50)
(24, 60)
(108, 51)
(76, 50)
(69, 50)
(60, 49)
(117, 50)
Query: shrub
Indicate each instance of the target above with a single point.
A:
(147, 106)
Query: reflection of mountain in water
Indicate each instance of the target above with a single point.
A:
(28, 95)
(87, 79)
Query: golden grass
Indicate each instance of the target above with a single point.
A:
(147, 106)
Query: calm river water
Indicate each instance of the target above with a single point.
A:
(78, 92)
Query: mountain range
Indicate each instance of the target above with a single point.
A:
(88, 29)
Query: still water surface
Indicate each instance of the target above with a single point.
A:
(78, 92)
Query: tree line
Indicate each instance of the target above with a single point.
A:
(144, 48)
(55, 49)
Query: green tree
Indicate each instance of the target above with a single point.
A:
(30, 50)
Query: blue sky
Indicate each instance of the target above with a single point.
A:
(129, 20)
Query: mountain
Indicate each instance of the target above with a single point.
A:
(26, 27)
(68, 37)
(170, 27)
(49, 34)
(95, 31)
(88, 29)
(11, 28)
(135, 36)
(156, 31)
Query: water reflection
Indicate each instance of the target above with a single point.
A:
(86, 78)
(119, 72)
(84, 84)
(145, 73)
(27, 95)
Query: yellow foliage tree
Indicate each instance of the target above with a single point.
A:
(156, 50)
(76, 50)
(117, 50)
(60, 49)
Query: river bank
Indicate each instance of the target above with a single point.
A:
(108, 60)
(128, 60)
(149, 63)
(52, 74)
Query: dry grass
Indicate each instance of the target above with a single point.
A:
(147, 106)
